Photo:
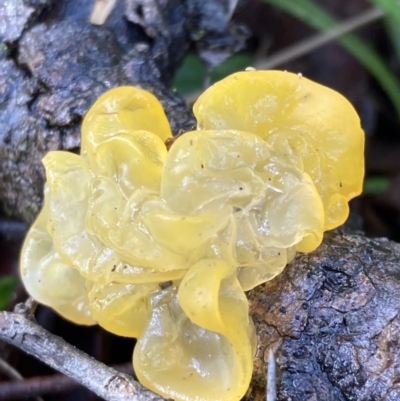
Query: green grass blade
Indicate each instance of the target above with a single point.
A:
(389, 7)
(306, 11)
(318, 18)
(392, 21)
(393, 30)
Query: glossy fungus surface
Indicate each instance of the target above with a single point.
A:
(161, 245)
(312, 126)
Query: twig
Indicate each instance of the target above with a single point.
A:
(9, 371)
(36, 385)
(26, 308)
(314, 42)
(22, 331)
(310, 44)
(14, 375)
(271, 378)
(44, 385)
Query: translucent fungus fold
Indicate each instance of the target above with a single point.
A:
(48, 278)
(161, 245)
(314, 127)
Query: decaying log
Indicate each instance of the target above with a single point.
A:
(332, 319)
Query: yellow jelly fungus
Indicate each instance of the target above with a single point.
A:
(312, 126)
(161, 245)
(48, 278)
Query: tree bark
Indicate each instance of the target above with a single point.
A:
(332, 319)
(54, 64)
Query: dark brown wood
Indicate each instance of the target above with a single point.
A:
(332, 319)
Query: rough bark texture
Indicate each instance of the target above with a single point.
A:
(332, 319)
(54, 64)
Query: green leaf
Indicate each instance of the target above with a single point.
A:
(315, 16)
(376, 185)
(235, 63)
(191, 76)
(7, 287)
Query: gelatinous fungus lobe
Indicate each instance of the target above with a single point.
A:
(312, 126)
(273, 164)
